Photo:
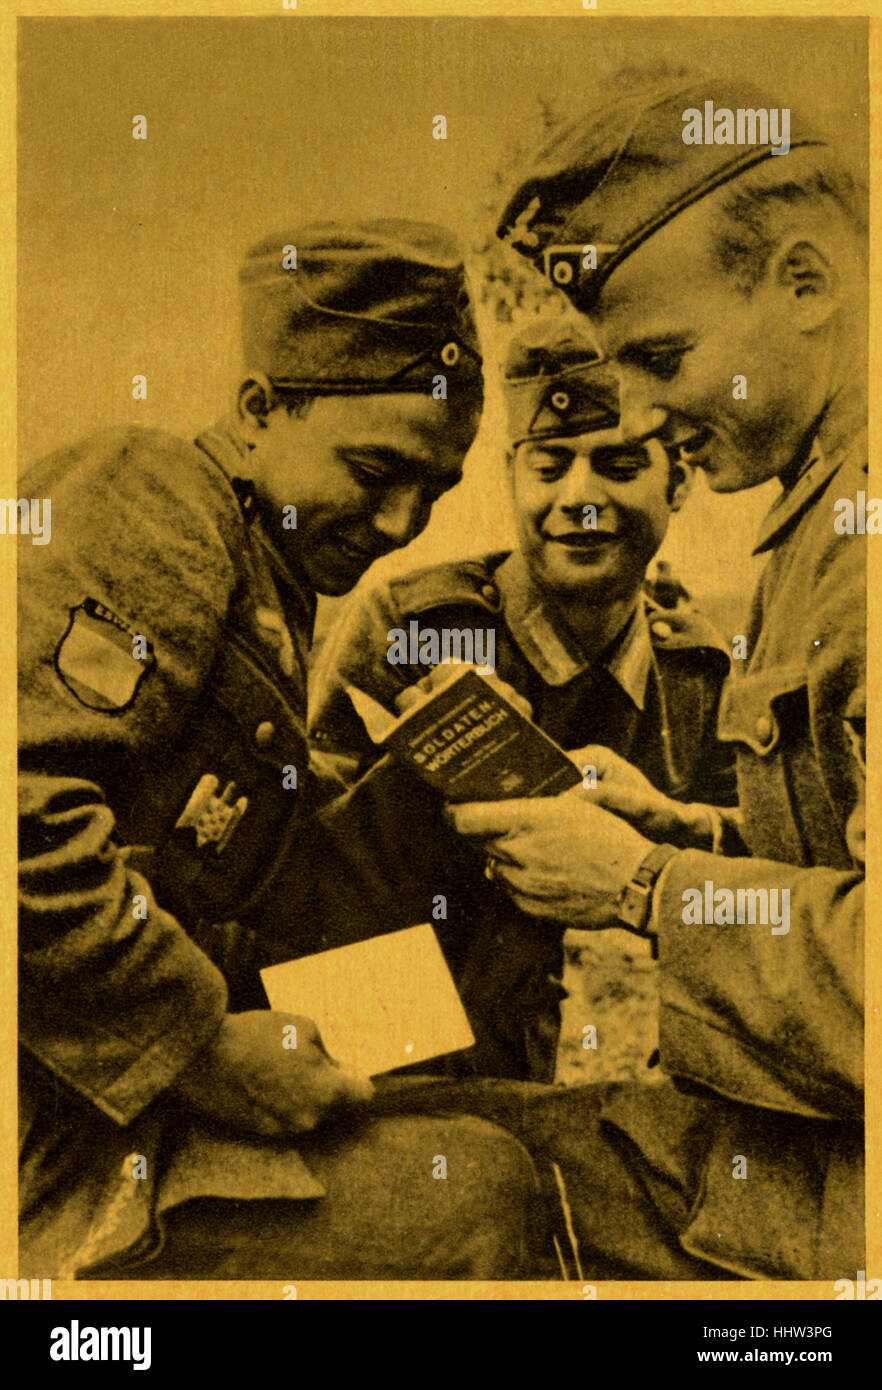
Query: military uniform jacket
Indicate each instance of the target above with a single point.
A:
(652, 698)
(163, 650)
(772, 1025)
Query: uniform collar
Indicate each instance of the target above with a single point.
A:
(222, 443)
(553, 651)
(841, 425)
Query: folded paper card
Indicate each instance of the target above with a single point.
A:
(378, 1004)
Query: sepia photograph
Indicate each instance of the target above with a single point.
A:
(441, 500)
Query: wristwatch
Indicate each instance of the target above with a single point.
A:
(635, 904)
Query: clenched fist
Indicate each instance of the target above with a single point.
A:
(249, 1080)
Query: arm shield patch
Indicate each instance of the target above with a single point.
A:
(96, 658)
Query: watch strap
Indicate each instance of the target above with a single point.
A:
(635, 904)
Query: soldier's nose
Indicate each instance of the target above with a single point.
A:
(637, 421)
(582, 486)
(401, 515)
(639, 415)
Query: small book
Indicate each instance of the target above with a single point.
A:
(378, 1004)
(470, 742)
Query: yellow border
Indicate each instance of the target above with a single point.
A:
(163, 1291)
(469, 9)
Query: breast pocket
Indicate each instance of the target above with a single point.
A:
(237, 778)
(765, 715)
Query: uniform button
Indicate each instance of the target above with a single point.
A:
(264, 734)
(662, 631)
(764, 728)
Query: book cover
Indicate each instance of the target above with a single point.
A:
(470, 742)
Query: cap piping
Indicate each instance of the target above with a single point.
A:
(587, 364)
(727, 172)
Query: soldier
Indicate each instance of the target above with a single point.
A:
(728, 287)
(165, 789)
(576, 634)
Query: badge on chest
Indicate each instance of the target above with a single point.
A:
(212, 818)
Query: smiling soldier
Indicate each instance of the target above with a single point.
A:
(163, 644)
(579, 638)
(712, 270)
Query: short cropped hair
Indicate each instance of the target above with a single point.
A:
(294, 402)
(299, 402)
(756, 211)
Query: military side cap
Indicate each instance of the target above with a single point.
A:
(612, 178)
(555, 383)
(378, 306)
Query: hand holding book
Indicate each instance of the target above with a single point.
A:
(440, 675)
(470, 739)
(563, 860)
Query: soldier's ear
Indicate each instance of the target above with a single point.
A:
(680, 480)
(805, 271)
(254, 402)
